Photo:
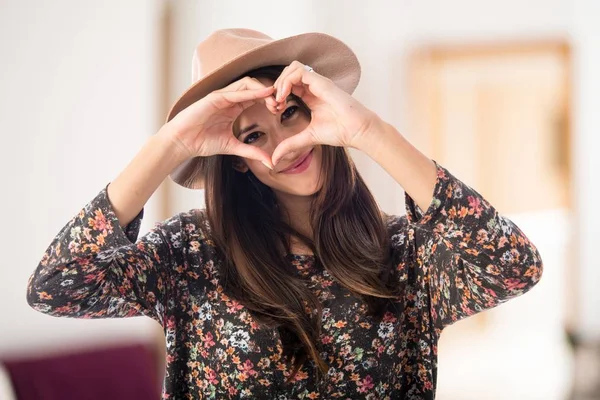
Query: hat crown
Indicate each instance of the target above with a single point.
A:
(223, 46)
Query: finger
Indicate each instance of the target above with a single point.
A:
(310, 85)
(298, 81)
(277, 83)
(318, 85)
(298, 90)
(248, 83)
(298, 141)
(294, 79)
(270, 100)
(243, 83)
(290, 70)
(224, 100)
(273, 109)
(252, 152)
(272, 103)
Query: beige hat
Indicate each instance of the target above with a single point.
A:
(229, 53)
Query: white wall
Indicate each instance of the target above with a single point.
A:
(79, 88)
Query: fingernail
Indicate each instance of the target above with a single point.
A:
(267, 165)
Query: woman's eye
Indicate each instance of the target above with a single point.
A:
(289, 112)
(251, 135)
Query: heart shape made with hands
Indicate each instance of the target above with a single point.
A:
(337, 118)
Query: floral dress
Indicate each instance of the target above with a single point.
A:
(458, 258)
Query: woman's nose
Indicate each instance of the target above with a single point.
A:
(278, 136)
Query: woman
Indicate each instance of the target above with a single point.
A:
(291, 283)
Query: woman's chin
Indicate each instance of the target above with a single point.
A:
(299, 188)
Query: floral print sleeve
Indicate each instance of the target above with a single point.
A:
(94, 268)
(474, 258)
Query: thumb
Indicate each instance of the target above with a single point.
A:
(298, 141)
(248, 151)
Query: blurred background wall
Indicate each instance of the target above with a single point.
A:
(80, 94)
(85, 83)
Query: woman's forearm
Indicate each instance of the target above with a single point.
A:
(132, 188)
(412, 169)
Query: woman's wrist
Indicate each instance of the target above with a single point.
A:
(130, 191)
(167, 137)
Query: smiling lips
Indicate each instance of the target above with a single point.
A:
(300, 161)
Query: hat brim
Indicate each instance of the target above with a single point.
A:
(327, 55)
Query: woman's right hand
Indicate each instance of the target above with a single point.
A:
(205, 128)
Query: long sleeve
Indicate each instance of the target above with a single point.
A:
(473, 257)
(94, 268)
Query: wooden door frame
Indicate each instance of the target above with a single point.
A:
(424, 59)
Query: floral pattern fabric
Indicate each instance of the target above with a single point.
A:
(455, 259)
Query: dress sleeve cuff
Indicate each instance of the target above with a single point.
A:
(131, 230)
(415, 214)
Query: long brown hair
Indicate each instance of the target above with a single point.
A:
(350, 241)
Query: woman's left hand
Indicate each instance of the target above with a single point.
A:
(337, 119)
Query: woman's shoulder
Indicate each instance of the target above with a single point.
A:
(394, 222)
(190, 235)
(186, 226)
(194, 223)
(399, 230)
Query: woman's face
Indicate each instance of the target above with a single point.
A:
(257, 126)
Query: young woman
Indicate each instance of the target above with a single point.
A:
(291, 283)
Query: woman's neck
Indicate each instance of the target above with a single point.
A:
(296, 212)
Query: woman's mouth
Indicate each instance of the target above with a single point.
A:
(300, 167)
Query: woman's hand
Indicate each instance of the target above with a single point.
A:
(337, 118)
(205, 128)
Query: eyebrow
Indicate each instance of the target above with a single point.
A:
(247, 129)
